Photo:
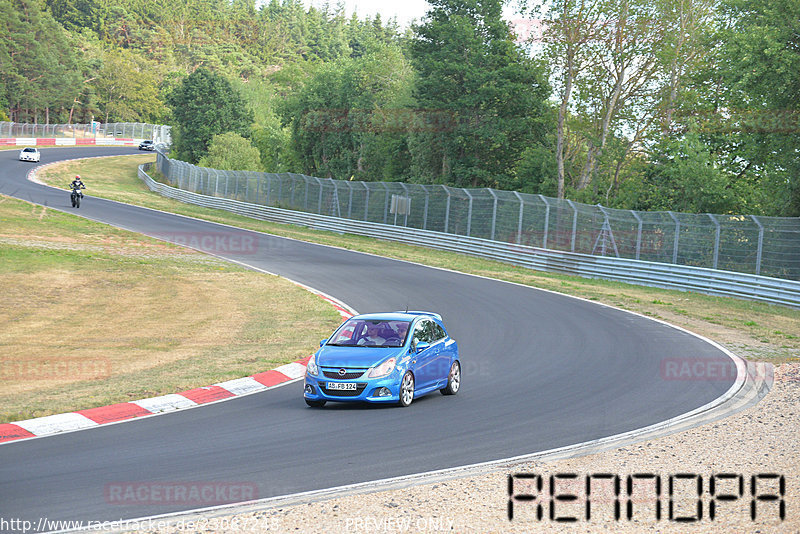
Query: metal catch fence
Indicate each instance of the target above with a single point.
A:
(768, 246)
(128, 130)
(682, 277)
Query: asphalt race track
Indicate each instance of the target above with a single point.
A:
(540, 371)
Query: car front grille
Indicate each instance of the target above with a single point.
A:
(344, 393)
(348, 375)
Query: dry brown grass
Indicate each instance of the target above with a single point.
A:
(97, 315)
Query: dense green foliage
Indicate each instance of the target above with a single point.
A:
(233, 152)
(204, 105)
(649, 104)
(351, 118)
(488, 95)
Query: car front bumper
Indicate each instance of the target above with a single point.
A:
(367, 389)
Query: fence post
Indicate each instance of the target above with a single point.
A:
(519, 221)
(574, 225)
(715, 261)
(366, 201)
(546, 220)
(494, 212)
(447, 210)
(319, 200)
(385, 203)
(469, 212)
(638, 233)
(408, 208)
(425, 215)
(677, 235)
(350, 200)
(760, 243)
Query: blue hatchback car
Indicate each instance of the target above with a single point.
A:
(384, 358)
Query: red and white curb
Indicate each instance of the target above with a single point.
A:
(115, 413)
(67, 141)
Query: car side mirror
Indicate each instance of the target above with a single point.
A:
(323, 342)
(422, 345)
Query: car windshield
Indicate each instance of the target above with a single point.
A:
(370, 333)
(29, 150)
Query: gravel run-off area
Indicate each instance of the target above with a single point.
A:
(762, 440)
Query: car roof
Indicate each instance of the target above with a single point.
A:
(398, 316)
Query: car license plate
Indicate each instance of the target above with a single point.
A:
(346, 386)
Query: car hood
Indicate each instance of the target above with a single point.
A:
(355, 356)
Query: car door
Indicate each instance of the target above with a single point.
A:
(425, 367)
(444, 355)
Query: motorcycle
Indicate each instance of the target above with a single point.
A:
(76, 196)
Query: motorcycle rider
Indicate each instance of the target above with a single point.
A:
(77, 185)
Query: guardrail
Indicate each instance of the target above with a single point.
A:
(670, 276)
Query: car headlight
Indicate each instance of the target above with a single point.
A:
(311, 367)
(383, 369)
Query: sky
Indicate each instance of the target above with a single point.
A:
(404, 10)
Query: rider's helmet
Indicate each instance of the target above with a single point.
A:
(77, 176)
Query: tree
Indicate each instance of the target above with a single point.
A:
(231, 152)
(483, 97)
(126, 88)
(757, 99)
(39, 68)
(350, 119)
(205, 105)
(683, 177)
(620, 69)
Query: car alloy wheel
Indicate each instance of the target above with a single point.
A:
(407, 389)
(453, 380)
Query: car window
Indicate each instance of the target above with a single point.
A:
(424, 331)
(370, 333)
(438, 332)
(29, 150)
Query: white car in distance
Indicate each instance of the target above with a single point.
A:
(30, 154)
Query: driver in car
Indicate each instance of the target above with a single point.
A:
(373, 336)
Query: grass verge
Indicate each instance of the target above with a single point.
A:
(94, 315)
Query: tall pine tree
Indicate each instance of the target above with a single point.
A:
(481, 98)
